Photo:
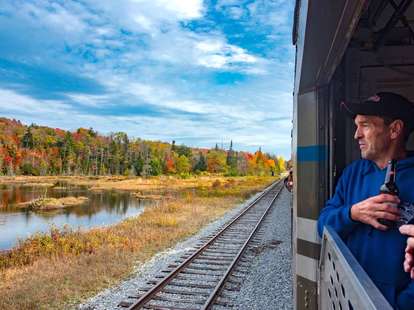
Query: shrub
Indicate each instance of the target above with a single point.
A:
(216, 184)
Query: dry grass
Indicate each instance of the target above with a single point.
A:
(56, 270)
(46, 204)
(130, 183)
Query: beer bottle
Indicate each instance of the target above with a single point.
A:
(389, 187)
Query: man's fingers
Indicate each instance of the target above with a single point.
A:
(407, 230)
(381, 198)
(388, 207)
(379, 226)
(388, 216)
(408, 258)
(410, 244)
(407, 267)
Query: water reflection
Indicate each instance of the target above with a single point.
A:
(103, 208)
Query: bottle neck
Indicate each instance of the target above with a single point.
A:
(389, 185)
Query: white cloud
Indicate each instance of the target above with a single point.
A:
(236, 12)
(231, 7)
(12, 101)
(89, 100)
(185, 9)
(217, 54)
(223, 3)
(148, 16)
(145, 23)
(163, 97)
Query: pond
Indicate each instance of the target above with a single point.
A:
(102, 209)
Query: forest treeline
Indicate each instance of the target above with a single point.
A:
(41, 150)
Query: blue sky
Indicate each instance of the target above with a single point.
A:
(197, 72)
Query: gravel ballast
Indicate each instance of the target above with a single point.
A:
(266, 286)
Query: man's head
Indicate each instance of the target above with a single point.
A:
(383, 122)
(375, 136)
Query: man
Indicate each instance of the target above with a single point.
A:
(383, 124)
(288, 181)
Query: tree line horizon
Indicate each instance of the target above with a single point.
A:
(41, 150)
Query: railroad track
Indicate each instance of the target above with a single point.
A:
(198, 280)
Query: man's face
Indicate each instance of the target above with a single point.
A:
(373, 136)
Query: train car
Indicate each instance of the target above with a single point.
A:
(346, 50)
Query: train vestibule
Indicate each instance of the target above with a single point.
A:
(346, 51)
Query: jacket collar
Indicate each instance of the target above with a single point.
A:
(369, 166)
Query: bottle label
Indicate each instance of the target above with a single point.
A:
(407, 213)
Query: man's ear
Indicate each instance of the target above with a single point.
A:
(396, 129)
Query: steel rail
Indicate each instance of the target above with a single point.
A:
(164, 282)
(223, 280)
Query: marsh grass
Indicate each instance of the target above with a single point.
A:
(61, 268)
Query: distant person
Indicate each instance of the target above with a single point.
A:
(357, 211)
(288, 181)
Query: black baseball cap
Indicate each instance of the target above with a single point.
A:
(386, 104)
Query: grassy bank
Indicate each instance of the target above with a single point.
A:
(62, 268)
(45, 204)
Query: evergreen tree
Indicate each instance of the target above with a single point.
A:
(156, 166)
(28, 140)
(146, 167)
(138, 165)
(231, 160)
(201, 164)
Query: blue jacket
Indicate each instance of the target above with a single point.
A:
(380, 253)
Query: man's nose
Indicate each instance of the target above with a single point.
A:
(357, 134)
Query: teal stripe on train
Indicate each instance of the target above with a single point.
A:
(312, 153)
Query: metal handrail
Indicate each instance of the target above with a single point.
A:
(343, 282)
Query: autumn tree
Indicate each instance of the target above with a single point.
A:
(216, 161)
(183, 164)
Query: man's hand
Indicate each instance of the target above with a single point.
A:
(409, 250)
(382, 206)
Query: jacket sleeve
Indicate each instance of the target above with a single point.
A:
(336, 212)
(405, 300)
